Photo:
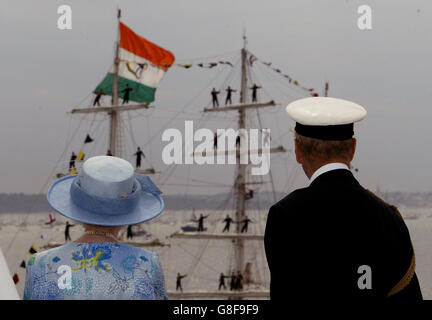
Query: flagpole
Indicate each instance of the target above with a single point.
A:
(115, 98)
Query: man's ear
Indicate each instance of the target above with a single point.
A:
(298, 153)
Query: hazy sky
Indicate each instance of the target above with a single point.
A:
(45, 72)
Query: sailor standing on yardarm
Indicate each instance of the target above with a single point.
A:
(126, 91)
(229, 91)
(342, 241)
(178, 281)
(138, 155)
(254, 89)
(66, 232)
(227, 221)
(214, 94)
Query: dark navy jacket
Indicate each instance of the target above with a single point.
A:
(317, 237)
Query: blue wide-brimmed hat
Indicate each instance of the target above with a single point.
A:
(107, 192)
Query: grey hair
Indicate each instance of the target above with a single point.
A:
(322, 149)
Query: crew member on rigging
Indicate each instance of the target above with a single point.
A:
(254, 92)
(138, 155)
(129, 232)
(97, 98)
(227, 221)
(72, 161)
(238, 141)
(178, 281)
(245, 224)
(66, 232)
(228, 97)
(239, 281)
(214, 94)
(233, 282)
(222, 280)
(215, 141)
(250, 194)
(126, 91)
(201, 222)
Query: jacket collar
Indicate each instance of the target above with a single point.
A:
(337, 176)
(328, 167)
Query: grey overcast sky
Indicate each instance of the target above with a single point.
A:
(45, 72)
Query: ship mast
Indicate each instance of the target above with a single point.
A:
(114, 109)
(240, 183)
(114, 101)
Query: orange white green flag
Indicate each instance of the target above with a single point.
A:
(142, 66)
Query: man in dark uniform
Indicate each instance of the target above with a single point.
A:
(97, 98)
(222, 281)
(178, 281)
(227, 221)
(126, 91)
(335, 240)
(239, 281)
(245, 224)
(67, 234)
(254, 92)
(201, 222)
(129, 233)
(238, 141)
(138, 155)
(233, 282)
(249, 194)
(228, 97)
(214, 94)
(215, 141)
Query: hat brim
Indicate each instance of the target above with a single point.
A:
(149, 207)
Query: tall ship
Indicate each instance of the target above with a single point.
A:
(203, 249)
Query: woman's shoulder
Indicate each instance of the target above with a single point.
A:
(103, 250)
(119, 247)
(44, 255)
(139, 252)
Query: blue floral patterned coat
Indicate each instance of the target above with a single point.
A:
(97, 270)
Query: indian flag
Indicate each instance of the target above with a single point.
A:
(142, 65)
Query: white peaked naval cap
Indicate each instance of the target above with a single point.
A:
(325, 118)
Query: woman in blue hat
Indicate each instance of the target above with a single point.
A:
(105, 196)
